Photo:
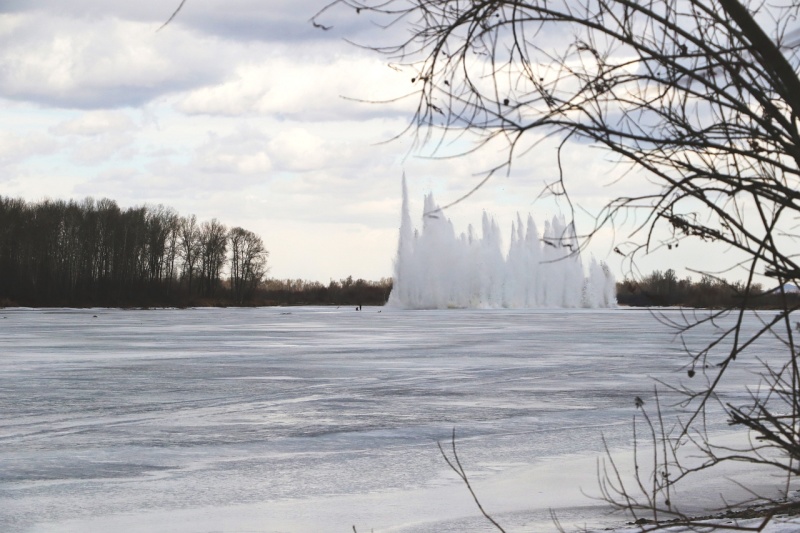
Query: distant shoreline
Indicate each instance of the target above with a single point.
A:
(345, 306)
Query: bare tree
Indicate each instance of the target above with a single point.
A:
(248, 263)
(189, 247)
(701, 96)
(173, 223)
(213, 246)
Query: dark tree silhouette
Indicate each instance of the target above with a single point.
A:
(56, 253)
(213, 247)
(248, 263)
(189, 235)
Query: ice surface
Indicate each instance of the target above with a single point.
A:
(321, 419)
(436, 269)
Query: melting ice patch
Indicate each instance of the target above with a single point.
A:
(437, 269)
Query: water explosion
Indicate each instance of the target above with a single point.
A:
(435, 269)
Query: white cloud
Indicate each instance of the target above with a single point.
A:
(103, 149)
(315, 89)
(240, 153)
(103, 63)
(97, 136)
(297, 149)
(34, 184)
(16, 148)
(94, 123)
(257, 163)
(242, 20)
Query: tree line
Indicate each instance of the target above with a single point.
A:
(659, 288)
(94, 253)
(666, 289)
(343, 292)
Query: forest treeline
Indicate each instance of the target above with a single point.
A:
(57, 253)
(343, 292)
(666, 289)
(94, 253)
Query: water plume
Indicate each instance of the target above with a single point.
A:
(437, 269)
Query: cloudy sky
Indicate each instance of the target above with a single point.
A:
(243, 111)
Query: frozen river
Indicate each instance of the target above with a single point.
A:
(316, 419)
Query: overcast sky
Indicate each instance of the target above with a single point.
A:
(243, 111)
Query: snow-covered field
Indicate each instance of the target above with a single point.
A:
(321, 419)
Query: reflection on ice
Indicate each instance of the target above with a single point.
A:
(248, 419)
